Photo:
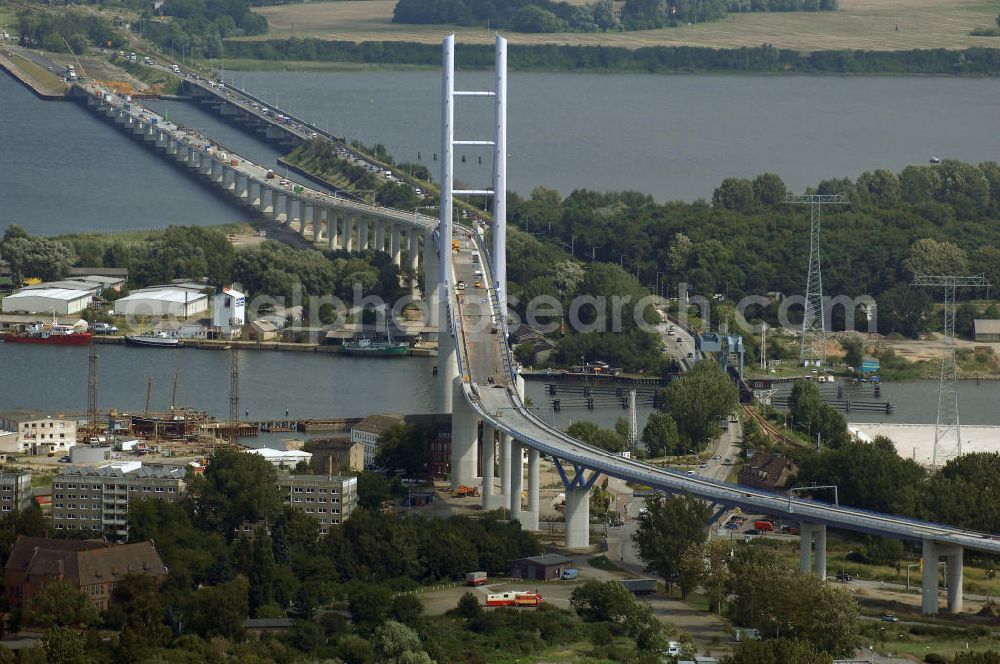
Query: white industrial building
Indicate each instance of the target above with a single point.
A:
(58, 301)
(229, 311)
(162, 301)
(283, 458)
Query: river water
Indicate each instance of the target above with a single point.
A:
(674, 137)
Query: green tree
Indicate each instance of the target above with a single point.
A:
(261, 573)
(373, 490)
(396, 643)
(40, 258)
(776, 651)
(928, 256)
(222, 609)
(854, 349)
(660, 435)
(468, 606)
(735, 194)
(59, 604)
(698, 400)
(668, 527)
(64, 645)
(369, 606)
(138, 610)
(355, 650)
(236, 487)
(407, 609)
(769, 190)
(406, 447)
(592, 434)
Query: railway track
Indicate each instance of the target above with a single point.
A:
(771, 431)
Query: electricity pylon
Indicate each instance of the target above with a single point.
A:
(947, 431)
(234, 395)
(813, 348)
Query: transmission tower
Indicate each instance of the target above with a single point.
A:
(92, 390)
(947, 431)
(813, 349)
(234, 395)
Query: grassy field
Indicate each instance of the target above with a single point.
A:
(859, 24)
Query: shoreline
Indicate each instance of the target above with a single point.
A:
(223, 345)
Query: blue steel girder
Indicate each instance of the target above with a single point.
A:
(578, 481)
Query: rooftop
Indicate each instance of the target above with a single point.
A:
(986, 326)
(123, 470)
(547, 559)
(164, 294)
(378, 423)
(66, 294)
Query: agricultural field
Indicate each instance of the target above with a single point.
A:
(858, 24)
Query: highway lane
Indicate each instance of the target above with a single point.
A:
(498, 402)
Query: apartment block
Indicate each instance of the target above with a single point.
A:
(329, 499)
(97, 499)
(15, 491)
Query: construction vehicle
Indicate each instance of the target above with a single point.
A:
(476, 579)
(514, 598)
(466, 492)
(454, 245)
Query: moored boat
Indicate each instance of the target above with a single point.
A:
(54, 334)
(155, 340)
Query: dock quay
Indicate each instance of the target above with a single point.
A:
(250, 428)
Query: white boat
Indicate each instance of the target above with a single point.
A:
(935, 160)
(155, 339)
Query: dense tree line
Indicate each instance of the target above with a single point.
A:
(653, 59)
(549, 16)
(199, 26)
(65, 30)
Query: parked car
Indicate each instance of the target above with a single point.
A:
(105, 328)
(753, 531)
(888, 617)
(844, 576)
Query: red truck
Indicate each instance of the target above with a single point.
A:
(763, 526)
(476, 579)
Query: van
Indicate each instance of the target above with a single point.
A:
(673, 649)
(568, 574)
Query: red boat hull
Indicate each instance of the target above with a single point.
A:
(77, 339)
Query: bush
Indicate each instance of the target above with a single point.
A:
(934, 658)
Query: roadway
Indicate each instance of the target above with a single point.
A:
(483, 356)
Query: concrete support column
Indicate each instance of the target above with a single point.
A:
(464, 438)
(363, 233)
(347, 242)
(266, 201)
(255, 193)
(955, 572)
(414, 252)
(530, 520)
(290, 210)
(819, 558)
(320, 215)
(205, 165)
(332, 214)
(929, 579)
(504, 444)
(242, 186)
(192, 158)
(395, 245)
(516, 479)
(379, 235)
(305, 215)
(433, 286)
(805, 547)
(578, 518)
(489, 458)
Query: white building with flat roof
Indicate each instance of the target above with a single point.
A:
(38, 433)
(282, 458)
(162, 301)
(58, 301)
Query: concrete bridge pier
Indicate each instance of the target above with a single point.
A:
(242, 187)
(228, 179)
(254, 193)
(578, 518)
(504, 452)
(320, 216)
(289, 210)
(808, 533)
(431, 285)
(395, 245)
(267, 196)
(305, 214)
(333, 216)
(529, 519)
(414, 254)
(347, 240)
(193, 160)
(953, 555)
(379, 235)
(489, 459)
(464, 438)
(363, 232)
(516, 479)
(217, 172)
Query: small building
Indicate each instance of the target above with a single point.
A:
(229, 312)
(334, 457)
(15, 491)
(540, 568)
(159, 301)
(91, 566)
(369, 433)
(262, 330)
(986, 329)
(283, 458)
(89, 454)
(37, 433)
(330, 499)
(53, 301)
(767, 471)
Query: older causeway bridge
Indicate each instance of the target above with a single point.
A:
(326, 220)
